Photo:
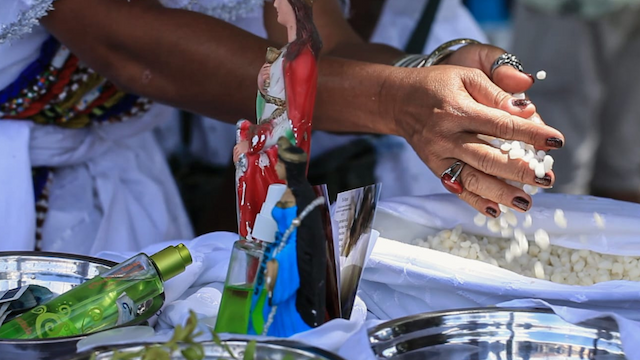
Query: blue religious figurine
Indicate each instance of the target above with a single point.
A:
(290, 297)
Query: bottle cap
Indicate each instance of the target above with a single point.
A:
(172, 261)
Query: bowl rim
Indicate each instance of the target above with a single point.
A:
(280, 343)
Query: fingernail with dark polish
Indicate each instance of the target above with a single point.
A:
(492, 212)
(521, 103)
(555, 143)
(544, 181)
(521, 203)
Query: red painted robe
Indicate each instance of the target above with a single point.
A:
(300, 91)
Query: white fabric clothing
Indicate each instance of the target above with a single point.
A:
(111, 186)
(589, 94)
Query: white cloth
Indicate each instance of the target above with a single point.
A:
(111, 186)
(628, 329)
(199, 289)
(397, 273)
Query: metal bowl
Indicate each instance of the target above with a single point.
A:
(495, 333)
(59, 273)
(269, 350)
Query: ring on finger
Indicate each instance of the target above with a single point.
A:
(450, 178)
(507, 59)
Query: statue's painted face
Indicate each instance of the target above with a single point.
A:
(286, 16)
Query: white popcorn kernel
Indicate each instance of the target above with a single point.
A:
(506, 232)
(541, 238)
(503, 208)
(617, 268)
(557, 278)
(559, 219)
(515, 249)
(533, 163)
(528, 221)
(541, 75)
(480, 220)
(605, 264)
(575, 257)
(508, 256)
(504, 224)
(511, 218)
(634, 274)
(538, 270)
(494, 225)
(540, 173)
(599, 220)
(516, 153)
(548, 163)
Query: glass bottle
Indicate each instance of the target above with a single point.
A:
(111, 299)
(233, 315)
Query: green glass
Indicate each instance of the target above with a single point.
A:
(106, 301)
(233, 316)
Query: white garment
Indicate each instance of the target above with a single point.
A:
(111, 188)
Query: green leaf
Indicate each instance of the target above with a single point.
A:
(250, 351)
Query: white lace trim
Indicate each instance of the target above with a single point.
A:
(227, 10)
(25, 21)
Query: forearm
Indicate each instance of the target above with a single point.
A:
(368, 52)
(204, 65)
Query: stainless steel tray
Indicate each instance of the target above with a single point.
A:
(59, 273)
(494, 333)
(270, 350)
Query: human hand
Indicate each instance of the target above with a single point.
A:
(264, 77)
(240, 148)
(441, 110)
(482, 57)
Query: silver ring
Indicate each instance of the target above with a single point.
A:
(507, 59)
(454, 170)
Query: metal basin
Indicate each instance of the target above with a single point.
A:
(271, 350)
(494, 333)
(59, 273)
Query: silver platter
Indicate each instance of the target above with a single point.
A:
(271, 350)
(495, 334)
(59, 273)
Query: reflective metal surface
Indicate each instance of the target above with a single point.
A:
(494, 333)
(271, 350)
(59, 273)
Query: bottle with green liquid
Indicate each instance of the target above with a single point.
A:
(108, 300)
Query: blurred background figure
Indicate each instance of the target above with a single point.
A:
(200, 148)
(589, 49)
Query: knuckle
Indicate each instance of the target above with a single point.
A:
(486, 163)
(471, 181)
(503, 194)
(506, 127)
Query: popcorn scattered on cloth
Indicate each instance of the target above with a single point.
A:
(200, 288)
(402, 279)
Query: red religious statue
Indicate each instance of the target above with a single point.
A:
(285, 101)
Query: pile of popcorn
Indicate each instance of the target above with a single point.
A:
(537, 258)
